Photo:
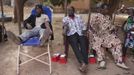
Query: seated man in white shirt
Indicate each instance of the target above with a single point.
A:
(73, 27)
(40, 24)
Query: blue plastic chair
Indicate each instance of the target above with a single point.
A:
(34, 41)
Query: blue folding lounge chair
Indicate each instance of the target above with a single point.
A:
(34, 41)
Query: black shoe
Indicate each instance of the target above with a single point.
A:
(13, 37)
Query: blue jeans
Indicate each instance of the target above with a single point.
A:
(36, 31)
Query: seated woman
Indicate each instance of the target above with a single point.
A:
(129, 29)
(40, 24)
(104, 37)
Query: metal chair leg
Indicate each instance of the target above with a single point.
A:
(33, 58)
(18, 59)
(50, 64)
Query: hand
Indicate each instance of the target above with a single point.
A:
(64, 31)
(27, 25)
(24, 24)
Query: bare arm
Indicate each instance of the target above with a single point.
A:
(65, 26)
(48, 27)
(65, 29)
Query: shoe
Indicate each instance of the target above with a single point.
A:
(122, 65)
(102, 65)
(13, 37)
(83, 68)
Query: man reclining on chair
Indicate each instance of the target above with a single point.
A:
(40, 26)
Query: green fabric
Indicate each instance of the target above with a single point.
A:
(130, 20)
(129, 23)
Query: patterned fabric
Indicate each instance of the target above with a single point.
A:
(130, 34)
(129, 24)
(130, 40)
(75, 25)
(102, 37)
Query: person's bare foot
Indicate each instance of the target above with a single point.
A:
(13, 38)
